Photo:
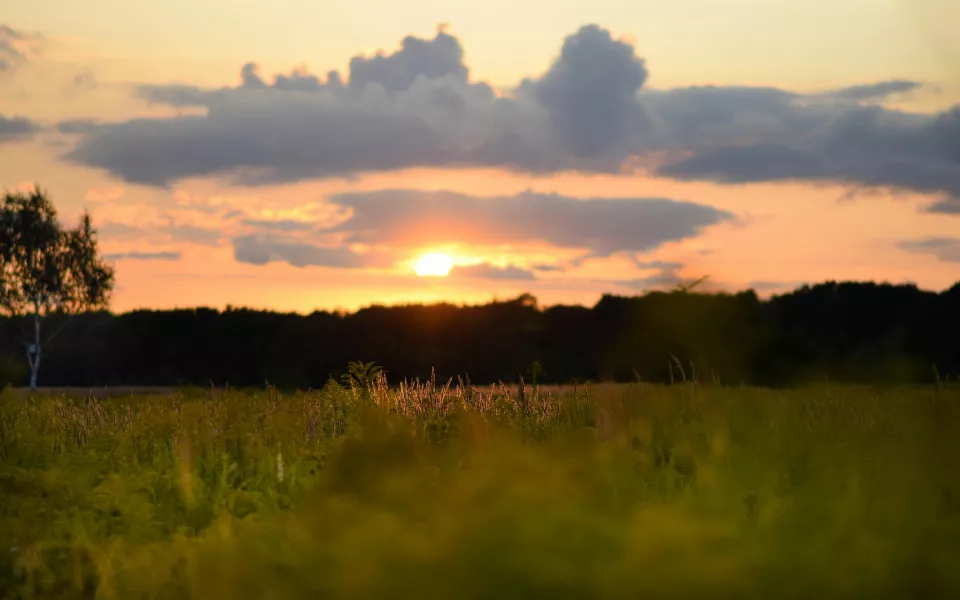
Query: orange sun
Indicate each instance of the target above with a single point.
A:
(434, 265)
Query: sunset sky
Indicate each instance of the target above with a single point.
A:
(261, 154)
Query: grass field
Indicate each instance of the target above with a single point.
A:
(427, 491)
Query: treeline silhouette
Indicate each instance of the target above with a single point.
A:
(846, 332)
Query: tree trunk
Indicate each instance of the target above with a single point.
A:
(33, 352)
(33, 376)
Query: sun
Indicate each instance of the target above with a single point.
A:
(434, 265)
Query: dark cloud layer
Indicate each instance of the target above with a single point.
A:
(17, 129)
(278, 225)
(143, 256)
(396, 222)
(764, 286)
(945, 249)
(191, 234)
(667, 274)
(114, 230)
(75, 126)
(264, 249)
(864, 145)
(875, 91)
(589, 112)
(603, 226)
(194, 234)
(492, 272)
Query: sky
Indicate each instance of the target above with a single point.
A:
(298, 155)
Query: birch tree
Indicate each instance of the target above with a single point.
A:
(45, 269)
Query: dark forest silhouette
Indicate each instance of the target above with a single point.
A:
(850, 332)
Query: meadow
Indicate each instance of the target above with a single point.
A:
(436, 490)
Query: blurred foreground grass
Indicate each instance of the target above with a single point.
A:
(449, 492)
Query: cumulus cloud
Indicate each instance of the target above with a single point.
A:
(17, 129)
(261, 249)
(493, 272)
(603, 226)
(945, 249)
(590, 92)
(441, 57)
(589, 111)
(143, 256)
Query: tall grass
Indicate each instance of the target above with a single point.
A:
(432, 490)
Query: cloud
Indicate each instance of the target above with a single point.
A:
(102, 195)
(947, 206)
(265, 133)
(441, 57)
(15, 46)
(603, 226)
(862, 145)
(589, 92)
(143, 256)
(290, 137)
(764, 285)
(549, 268)
(194, 234)
(588, 112)
(875, 91)
(394, 222)
(171, 231)
(17, 129)
(119, 231)
(75, 126)
(667, 274)
(84, 79)
(945, 249)
(488, 271)
(278, 225)
(176, 95)
(263, 249)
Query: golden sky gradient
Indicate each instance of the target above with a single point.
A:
(197, 240)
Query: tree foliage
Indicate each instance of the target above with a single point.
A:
(856, 332)
(46, 269)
